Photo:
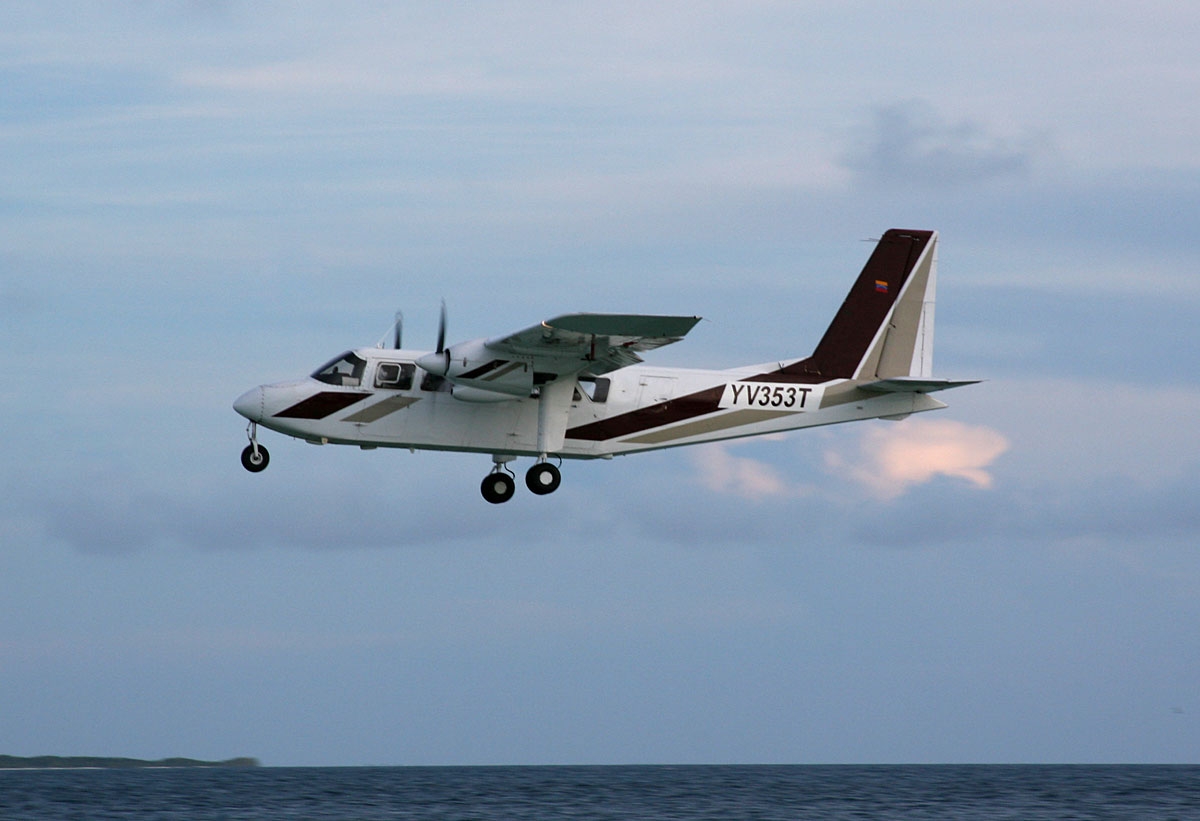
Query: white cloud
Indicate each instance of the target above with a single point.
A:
(909, 144)
(892, 459)
(1073, 432)
(722, 472)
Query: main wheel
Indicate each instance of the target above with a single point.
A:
(255, 462)
(498, 487)
(543, 478)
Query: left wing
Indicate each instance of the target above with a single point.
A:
(592, 343)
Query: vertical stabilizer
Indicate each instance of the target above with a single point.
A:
(884, 328)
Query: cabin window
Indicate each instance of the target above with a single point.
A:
(596, 388)
(396, 376)
(347, 369)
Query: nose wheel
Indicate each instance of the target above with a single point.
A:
(255, 457)
(255, 460)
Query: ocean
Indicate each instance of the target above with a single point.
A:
(658, 793)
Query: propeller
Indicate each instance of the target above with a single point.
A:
(441, 339)
(438, 362)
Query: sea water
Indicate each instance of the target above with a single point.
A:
(658, 793)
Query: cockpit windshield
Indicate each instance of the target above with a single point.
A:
(347, 369)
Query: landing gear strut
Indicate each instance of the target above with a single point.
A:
(255, 457)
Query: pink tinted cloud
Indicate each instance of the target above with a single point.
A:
(894, 457)
(722, 472)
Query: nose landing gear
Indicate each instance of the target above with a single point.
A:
(255, 457)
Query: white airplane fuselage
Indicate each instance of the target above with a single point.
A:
(697, 405)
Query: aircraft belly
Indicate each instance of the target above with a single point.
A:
(439, 421)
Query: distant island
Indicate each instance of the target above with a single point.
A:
(58, 762)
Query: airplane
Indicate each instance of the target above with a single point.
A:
(575, 387)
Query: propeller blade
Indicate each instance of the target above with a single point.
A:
(441, 339)
(399, 328)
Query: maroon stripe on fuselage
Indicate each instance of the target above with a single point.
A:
(652, 416)
(321, 405)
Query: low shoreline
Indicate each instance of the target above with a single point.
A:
(78, 762)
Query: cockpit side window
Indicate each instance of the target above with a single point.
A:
(396, 376)
(347, 370)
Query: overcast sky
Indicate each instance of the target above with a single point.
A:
(196, 198)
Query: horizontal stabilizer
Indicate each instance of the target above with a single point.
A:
(915, 384)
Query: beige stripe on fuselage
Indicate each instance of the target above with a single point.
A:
(373, 413)
(711, 424)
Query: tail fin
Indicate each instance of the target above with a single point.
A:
(884, 328)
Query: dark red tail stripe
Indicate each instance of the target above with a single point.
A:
(845, 342)
(321, 405)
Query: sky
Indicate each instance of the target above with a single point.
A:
(200, 197)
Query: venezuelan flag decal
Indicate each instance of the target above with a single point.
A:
(880, 286)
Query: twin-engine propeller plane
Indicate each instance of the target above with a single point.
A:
(573, 387)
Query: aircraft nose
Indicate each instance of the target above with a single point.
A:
(250, 404)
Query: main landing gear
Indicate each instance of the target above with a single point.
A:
(500, 485)
(543, 478)
(255, 457)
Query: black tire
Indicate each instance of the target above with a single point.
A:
(250, 463)
(498, 488)
(543, 478)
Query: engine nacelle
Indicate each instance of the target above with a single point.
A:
(466, 393)
(474, 365)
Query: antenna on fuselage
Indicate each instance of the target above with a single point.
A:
(397, 332)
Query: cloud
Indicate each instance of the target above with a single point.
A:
(891, 460)
(722, 472)
(910, 144)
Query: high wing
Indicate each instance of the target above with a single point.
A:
(592, 344)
